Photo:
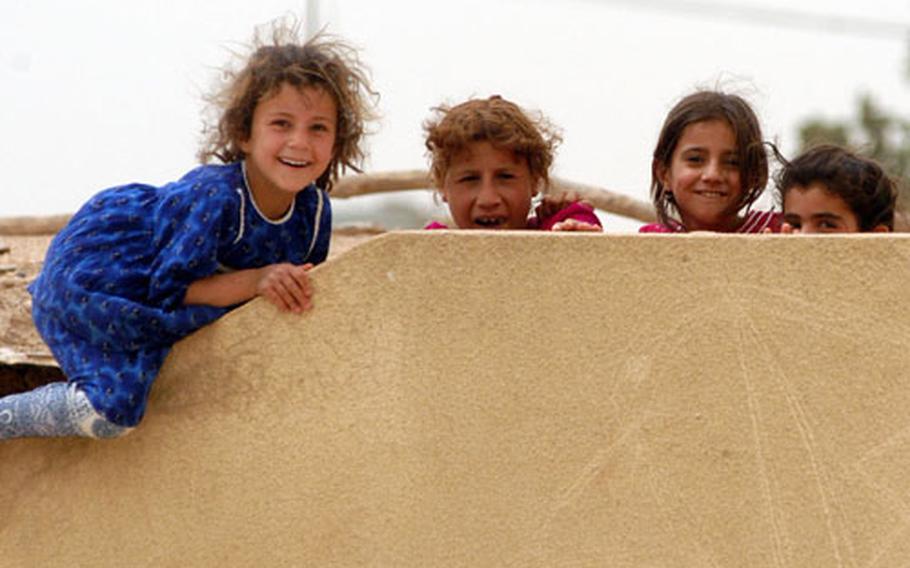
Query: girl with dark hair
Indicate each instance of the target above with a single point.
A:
(709, 167)
(829, 189)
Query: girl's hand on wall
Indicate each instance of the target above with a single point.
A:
(287, 286)
(787, 229)
(552, 204)
(576, 225)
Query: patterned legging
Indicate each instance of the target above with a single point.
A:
(55, 409)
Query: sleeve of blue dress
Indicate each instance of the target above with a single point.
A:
(191, 223)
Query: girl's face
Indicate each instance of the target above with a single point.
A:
(291, 143)
(814, 209)
(488, 188)
(703, 176)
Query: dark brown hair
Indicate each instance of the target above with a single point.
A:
(502, 123)
(322, 62)
(699, 107)
(860, 182)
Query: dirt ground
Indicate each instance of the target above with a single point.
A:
(18, 267)
(25, 361)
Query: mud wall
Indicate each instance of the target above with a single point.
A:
(461, 399)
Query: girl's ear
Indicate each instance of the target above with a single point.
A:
(660, 171)
(880, 229)
(244, 146)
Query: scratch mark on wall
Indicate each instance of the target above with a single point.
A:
(889, 497)
(890, 539)
(901, 437)
(634, 414)
(807, 437)
(755, 419)
(838, 319)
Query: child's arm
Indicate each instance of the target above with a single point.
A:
(287, 286)
(552, 204)
(566, 212)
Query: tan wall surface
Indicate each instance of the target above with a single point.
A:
(476, 399)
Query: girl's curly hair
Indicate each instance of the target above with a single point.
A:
(322, 62)
(495, 120)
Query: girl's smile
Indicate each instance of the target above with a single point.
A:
(291, 144)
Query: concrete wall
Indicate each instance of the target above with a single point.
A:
(514, 400)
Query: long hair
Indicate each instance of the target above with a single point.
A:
(701, 106)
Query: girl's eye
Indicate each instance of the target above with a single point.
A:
(506, 175)
(694, 159)
(467, 178)
(320, 127)
(826, 225)
(281, 123)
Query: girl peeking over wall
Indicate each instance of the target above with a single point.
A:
(488, 159)
(709, 167)
(829, 189)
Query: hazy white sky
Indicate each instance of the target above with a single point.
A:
(102, 92)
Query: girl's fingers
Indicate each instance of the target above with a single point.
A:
(302, 280)
(277, 291)
(296, 292)
(285, 300)
(288, 287)
(299, 286)
(575, 225)
(589, 227)
(275, 299)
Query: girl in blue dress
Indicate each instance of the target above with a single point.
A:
(139, 267)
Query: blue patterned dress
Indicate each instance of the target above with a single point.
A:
(109, 299)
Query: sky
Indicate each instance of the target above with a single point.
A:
(98, 93)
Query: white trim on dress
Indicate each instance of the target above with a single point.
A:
(284, 218)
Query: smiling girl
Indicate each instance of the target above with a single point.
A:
(709, 167)
(139, 267)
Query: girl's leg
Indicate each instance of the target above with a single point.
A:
(55, 409)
